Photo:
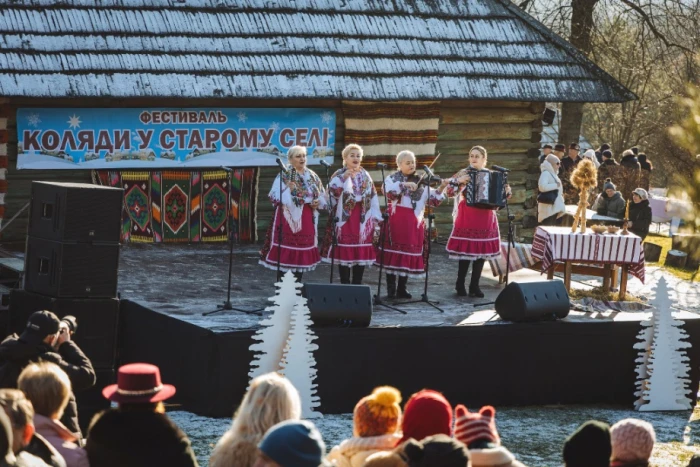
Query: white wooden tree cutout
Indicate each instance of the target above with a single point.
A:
(299, 363)
(274, 333)
(663, 362)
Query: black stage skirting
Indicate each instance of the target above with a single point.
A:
(503, 365)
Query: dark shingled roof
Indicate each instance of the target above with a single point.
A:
(336, 49)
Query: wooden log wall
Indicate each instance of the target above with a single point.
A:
(510, 131)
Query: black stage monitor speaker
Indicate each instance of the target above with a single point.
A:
(75, 212)
(339, 305)
(533, 301)
(61, 269)
(98, 321)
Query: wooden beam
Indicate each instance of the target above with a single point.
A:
(484, 132)
(496, 115)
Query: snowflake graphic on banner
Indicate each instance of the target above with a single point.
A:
(326, 117)
(275, 127)
(33, 120)
(74, 121)
(242, 117)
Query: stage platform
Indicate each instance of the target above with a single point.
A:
(466, 352)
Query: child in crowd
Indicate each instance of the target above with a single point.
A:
(632, 443)
(588, 446)
(48, 388)
(640, 213)
(438, 450)
(426, 413)
(271, 399)
(478, 432)
(293, 443)
(376, 420)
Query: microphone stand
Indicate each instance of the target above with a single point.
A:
(385, 217)
(333, 220)
(511, 235)
(227, 305)
(424, 296)
(279, 224)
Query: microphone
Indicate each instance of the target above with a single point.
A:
(281, 165)
(428, 172)
(499, 169)
(381, 165)
(227, 169)
(325, 164)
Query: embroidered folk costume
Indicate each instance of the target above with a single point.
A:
(404, 239)
(354, 202)
(293, 209)
(475, 235)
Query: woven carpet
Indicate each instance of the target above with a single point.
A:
(384, 129)
(184, 206)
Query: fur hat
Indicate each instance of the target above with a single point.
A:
(607, 153)
(627, 152)
(559, 147)
(609, 185)
(632, 440)
(588, 446)
(635, 150)
(641, 192)
(471, 427)
(378, 414)
(426, 413)
(604, 147)
(434, 451)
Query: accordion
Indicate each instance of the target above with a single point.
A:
(485, 190)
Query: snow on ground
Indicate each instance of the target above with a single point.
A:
(534, 434)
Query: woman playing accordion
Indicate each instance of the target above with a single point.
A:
(475, 235)
(354, 203)
(296, 208)
(405, 231)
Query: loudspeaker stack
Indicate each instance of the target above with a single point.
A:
(71, 267)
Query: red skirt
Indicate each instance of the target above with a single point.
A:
(299, 250)
(354, 248)
(474, 234)
(403, 244)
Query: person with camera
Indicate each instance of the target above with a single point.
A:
(46, 338)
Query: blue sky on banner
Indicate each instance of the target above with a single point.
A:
(118, 138)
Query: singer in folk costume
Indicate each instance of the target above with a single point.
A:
(404, 238)
(296, 208)
(475, 236)
(354, 203)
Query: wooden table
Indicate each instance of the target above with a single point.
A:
(594, 254)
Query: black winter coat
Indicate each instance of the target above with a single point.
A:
(15, 354)
(640, 215)
(631, 162)
(137, 439)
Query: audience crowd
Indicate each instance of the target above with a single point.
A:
(618, 184)
(267, 430)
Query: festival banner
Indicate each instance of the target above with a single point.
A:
(138, 138)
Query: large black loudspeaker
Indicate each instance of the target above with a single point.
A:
(97, 321)
(339, 305)
(75, 212)
(73, 240)
(61, 269)
(533, 301)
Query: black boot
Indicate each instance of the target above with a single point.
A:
(391, 285)
(462, 277)
(344, 274)
(474, 290)
(298, 276)
(357, 272)
(402, 292)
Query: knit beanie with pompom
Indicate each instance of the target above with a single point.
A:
(378, 414)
